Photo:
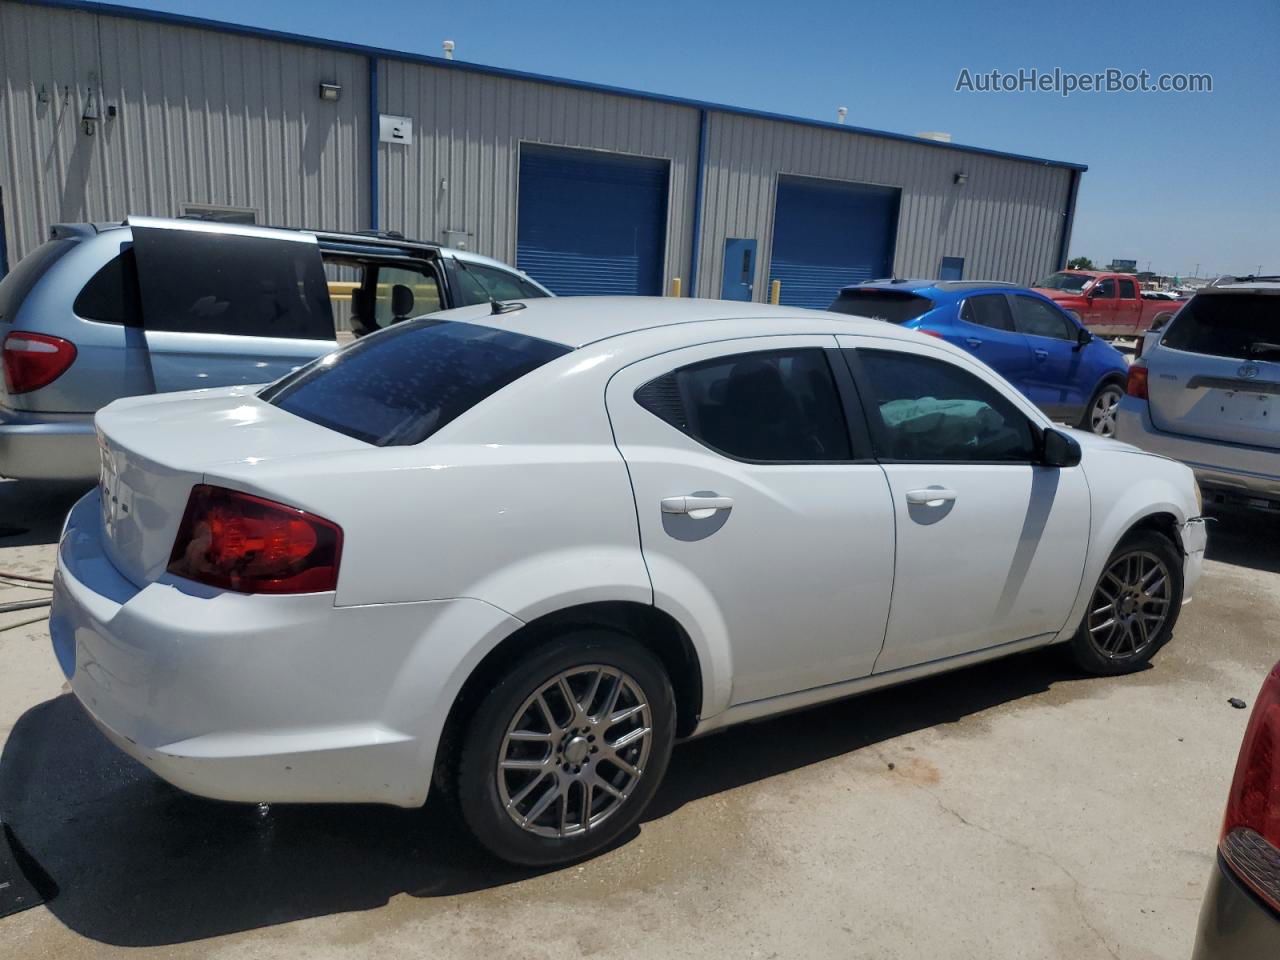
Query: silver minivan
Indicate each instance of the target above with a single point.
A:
(1206, 391)
(151, 305)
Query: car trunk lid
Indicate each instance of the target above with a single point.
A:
(153, 450)
(1216, 372)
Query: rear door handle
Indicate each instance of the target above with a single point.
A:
(1042, 354)
(931, 496)
(697, 507)
(973, 342)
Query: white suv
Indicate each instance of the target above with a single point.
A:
(1207, 392)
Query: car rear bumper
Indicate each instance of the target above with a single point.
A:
(1235, 469)
(260, 698)
(1234, 923)
(37, 446)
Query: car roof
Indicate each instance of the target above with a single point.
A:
(932, 288)
(579, 321)
(367, 237)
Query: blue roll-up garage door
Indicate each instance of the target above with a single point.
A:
(828, 234)
(591, 222)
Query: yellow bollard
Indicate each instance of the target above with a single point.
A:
(675, 286)
(775, 291)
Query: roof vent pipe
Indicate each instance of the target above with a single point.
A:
(448, 49)
(841, 113)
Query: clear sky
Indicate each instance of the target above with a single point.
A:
(1175, 179)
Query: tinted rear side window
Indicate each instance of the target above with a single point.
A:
(988, 310)
(111, 295)
(777, 406)
(401, 386)
(195, 281)
(18, 282)
(1237, 325)
(882, 305)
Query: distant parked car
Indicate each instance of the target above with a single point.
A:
(1108, 304)
(1031, 342)
(1207, 392)
(102, 311)
(593, 525)
(1240, 918)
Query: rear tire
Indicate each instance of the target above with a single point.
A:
(565, 753)
(1100, 415)
(1133, 607)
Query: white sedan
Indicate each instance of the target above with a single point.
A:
(517, 552)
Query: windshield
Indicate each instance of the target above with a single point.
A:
(890, 305)
(401, 386)
(1072, 282)
(1242, 326)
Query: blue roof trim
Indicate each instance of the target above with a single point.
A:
(263, 33)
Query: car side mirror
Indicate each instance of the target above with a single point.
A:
(1059, 450)
(1083, 338)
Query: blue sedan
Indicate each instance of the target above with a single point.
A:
(1041, 349)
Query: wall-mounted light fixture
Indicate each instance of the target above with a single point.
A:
(330, 91)
(960, 179)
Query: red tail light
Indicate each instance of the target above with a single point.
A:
(34, 360)
(1136, 385)
(245, 543)
(1251, 829)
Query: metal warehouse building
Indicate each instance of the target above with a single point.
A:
(107, 111)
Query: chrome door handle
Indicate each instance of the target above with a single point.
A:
(973, 342)
(931, 496)
(1042, 354)
(697, 507)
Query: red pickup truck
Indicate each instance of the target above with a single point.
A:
(1109, 304)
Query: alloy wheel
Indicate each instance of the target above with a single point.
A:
(1102, 413)
(1130, 605)
(575, 751)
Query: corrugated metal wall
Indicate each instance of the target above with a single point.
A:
(1006, 221)
(210, 117)
(461, 172)
(203, 118)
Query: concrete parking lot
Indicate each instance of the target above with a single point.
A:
(1008, 810)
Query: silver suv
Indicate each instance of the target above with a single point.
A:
(1207, 391)
(151, 306)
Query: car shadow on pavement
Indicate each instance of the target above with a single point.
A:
(32, 511)
(139, 863)
(1244, 538)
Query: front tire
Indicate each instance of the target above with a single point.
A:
(1100, 415)
(565, 753)
(1133, 607)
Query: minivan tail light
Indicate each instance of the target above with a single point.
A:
(1136, 385)
(34, 360)
(249, 544)
(1250, 841)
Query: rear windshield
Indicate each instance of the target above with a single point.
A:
(882, 305)
(1071, 282)
(17, 283)
(402, 385)
(1237, 325)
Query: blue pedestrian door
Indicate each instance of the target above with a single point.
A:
(590, 222)
(828, 234)
(739, 269)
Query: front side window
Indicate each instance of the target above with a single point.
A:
(989, 310)
(928, 410)
(400, 387)
(776, 406)
(480, 284)
(1105, 289)
(1038, 319)
(1128, 290)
